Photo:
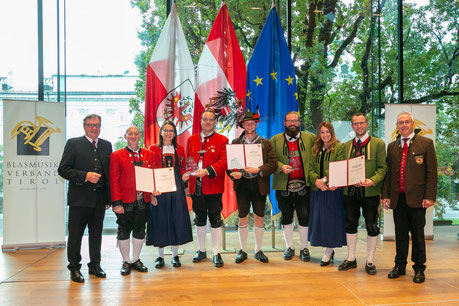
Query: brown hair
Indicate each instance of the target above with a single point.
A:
(318, 143)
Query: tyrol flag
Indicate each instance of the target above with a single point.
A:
(220, 86)
(271, 84)
(169, 90)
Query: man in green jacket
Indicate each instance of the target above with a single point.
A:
(366, 194)
(293, 152)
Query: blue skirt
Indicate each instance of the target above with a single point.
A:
(327, 220)
(169, 221)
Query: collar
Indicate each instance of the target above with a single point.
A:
(91, 140)
(246, 140)
(410, 137)
(202, 136)
(132, 150)
(363, 138)
(292, 139)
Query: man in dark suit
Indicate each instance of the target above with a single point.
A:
(85, 164)
(410, 187)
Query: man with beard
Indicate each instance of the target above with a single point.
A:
(365, 194)
(252, 186)
(208, 150)
(293, 151)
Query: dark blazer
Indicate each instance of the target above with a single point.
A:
(421, 172)
(268, 167)
(79, 158)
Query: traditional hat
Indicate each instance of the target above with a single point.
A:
(249, 116)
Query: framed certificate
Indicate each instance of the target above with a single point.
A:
(239, 156)
(159, 179)
(346, 172)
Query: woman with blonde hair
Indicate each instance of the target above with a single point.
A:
(326, 217)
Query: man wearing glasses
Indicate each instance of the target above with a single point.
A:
(410, 187)
(207, 150)
(85, 164)
(366, 194)
(293, 151)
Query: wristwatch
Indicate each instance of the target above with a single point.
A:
(324, 179)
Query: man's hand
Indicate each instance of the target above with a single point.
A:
(427, 203)
(93, 177)
(365, 183)
(185, 177)
(119, 209)
(154, 201)
(386, 203)
(287, 169)
(252, 170)
(236, 175)
(201, 173)
(156, 193)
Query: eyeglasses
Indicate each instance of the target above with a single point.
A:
(208, 119)
(359, 123)
(91, 125)
(292, 121)
(168, 131)
(406, 122)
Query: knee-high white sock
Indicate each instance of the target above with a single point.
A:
(351, 246)
(243, 233)
(216, 238)
(303, 230)
(258, 231)
(175, 250)
(288, 235)
(137, 245)
(201, 232)
(125, 246)
(372, 242)
(161, 252)
(327, 255)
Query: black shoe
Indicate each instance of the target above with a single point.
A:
(347, 265)
(125, 268)
(304, 255)
(370, 268)
(419, 277)
(159, 263)
(241, 256)
(139, 266)
(76, 276)
(176, 261)
(260, 256)
(396, 272)
(200, 256)
(326, 263)
(97, 271)
(218, 261)
(289, 253)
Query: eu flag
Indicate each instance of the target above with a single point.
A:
(271, 83)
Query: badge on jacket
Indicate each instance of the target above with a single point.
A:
(419, 159)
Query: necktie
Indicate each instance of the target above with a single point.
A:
(402, 184)
(359, 143)
(94, 144)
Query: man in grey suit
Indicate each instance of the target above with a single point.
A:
(410, 187)
(85, 164)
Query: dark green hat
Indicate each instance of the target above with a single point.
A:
(249, 116)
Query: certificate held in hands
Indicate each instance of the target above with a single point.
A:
(240, 156)
(159, 179)
(346, 172)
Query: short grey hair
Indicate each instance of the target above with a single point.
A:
(130, 127)
(405, 113)
(91, 116)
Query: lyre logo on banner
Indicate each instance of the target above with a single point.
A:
(33, 139)
(420, 128)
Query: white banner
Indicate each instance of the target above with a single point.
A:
(424, 124)
(34, 194)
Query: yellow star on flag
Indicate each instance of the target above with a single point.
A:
(258, 81)
(296, 96)
(289, 80)
(248, 94)
(273, 74)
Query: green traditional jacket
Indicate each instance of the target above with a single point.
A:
(314, 165)
(280, 146)
(375, 163)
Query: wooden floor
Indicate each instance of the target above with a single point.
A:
(40, 277)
